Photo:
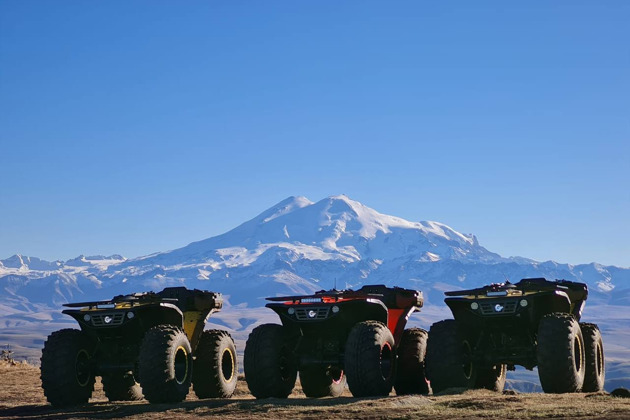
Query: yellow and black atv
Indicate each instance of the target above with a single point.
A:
(150, 344)
(534, 322)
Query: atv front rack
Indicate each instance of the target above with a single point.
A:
(184, 299)
(392, 297)
(136, 298)
(577, 291)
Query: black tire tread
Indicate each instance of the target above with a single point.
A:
(57, 368)
(556, 367)
(362, 359)
(208, 380)
(317, 383)
(155, 381)
(261, 362)
(411, 374)
(592, 338)
(121, 386)
(492, 379)
(444, 357)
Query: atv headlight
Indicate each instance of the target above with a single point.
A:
(291, 311)
(86, 317)
(523, 303)
(474, 306)
(335, 309)
(130, 315)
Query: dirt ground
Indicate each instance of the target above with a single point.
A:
(21, 397)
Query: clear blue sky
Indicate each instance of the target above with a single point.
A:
(133, 127)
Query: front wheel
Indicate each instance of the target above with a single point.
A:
(66, 368)
(216, 368)
(166, 364)
(268, 361)
(449, 358)
(370, 361)
(318, 382)
(411, 376)
(560, 354)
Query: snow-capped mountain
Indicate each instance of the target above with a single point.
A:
(299, 246)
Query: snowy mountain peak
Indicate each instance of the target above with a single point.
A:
(284, 207)
(14, 261)
(22, 262)
(348, 217)
(335, 227)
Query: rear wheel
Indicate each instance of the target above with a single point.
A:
(449, 358)
(121, 386)
(269, 367)
(320, 382)
(216, 369)
(165, 364)
(370, 359)
(491, 378)
(66, 368)
(411, 375)
(561, 364)
(594, 354)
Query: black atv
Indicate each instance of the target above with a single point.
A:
(534, 322)
(336, 336)
(150, 344)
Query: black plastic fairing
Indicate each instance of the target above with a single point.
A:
(144, 317)
(350, 312)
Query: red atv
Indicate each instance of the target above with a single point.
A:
(336, 336)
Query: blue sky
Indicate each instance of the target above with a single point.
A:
(133, 127)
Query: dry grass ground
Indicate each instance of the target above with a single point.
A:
(21, 397)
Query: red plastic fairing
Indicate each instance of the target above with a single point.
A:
(396, 321)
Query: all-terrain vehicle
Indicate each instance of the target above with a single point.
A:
(150, 344)
(534, 322)
(333, 337)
